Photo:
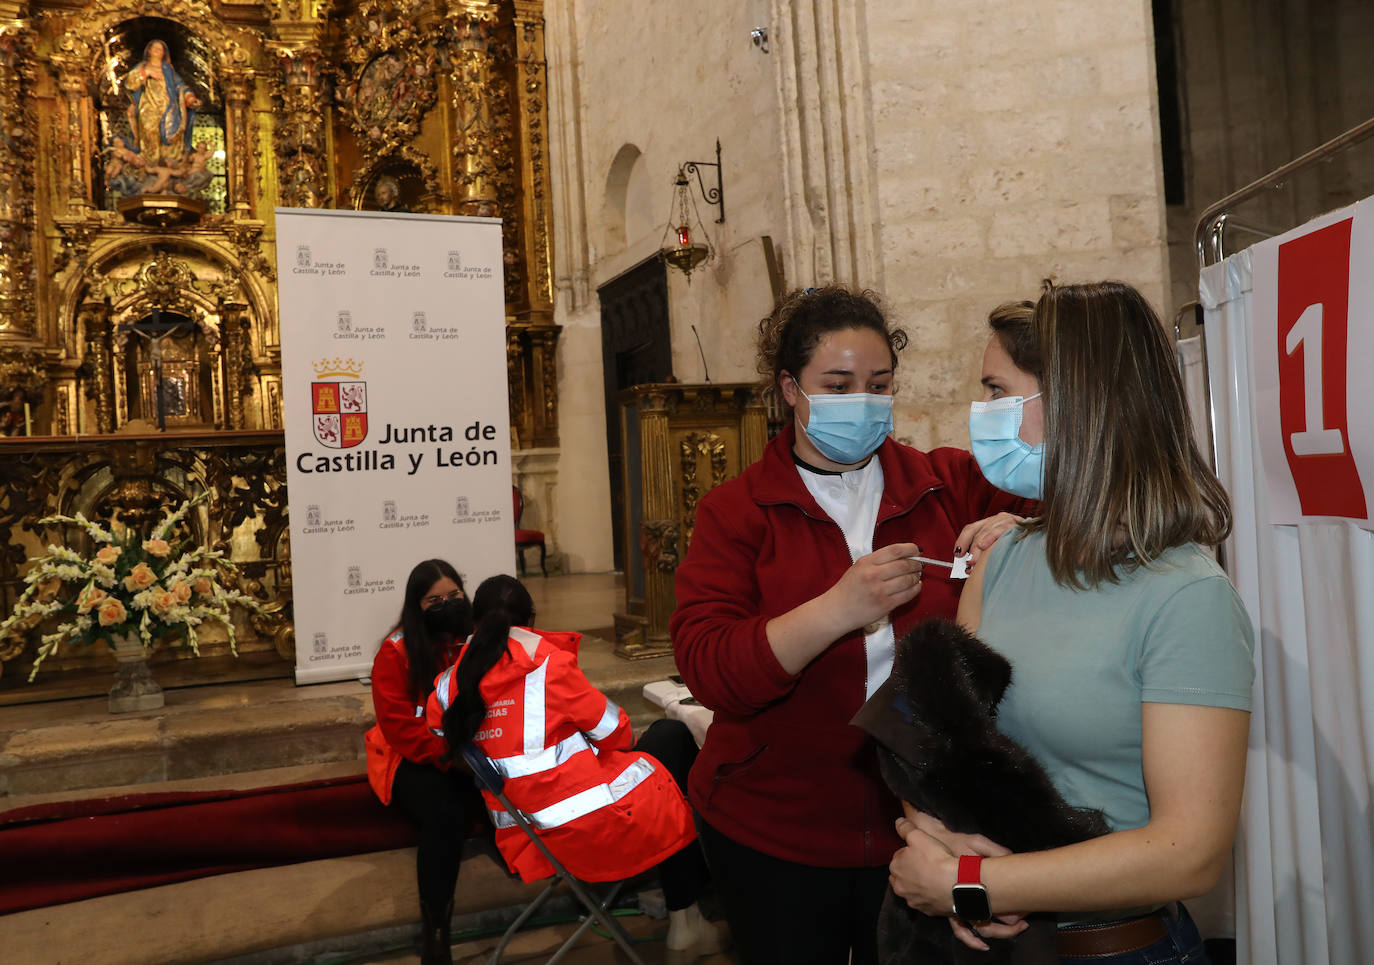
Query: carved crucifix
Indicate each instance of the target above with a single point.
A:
(155, 329)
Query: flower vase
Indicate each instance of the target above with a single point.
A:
(135, 688)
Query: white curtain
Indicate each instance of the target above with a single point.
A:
(1305, 852)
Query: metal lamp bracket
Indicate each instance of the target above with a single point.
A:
(716, 195)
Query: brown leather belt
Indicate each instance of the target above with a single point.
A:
(1112, 938)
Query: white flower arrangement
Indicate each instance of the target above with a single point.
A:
(129, 585)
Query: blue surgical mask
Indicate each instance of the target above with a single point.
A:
(848, 427)
(1008, 461)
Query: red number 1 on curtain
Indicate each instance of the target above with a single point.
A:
(1313, 317)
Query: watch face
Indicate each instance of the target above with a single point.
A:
(971, 903)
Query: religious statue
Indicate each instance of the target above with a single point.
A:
(162, 108)
(387, 193)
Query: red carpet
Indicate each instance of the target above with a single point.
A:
(63, 852)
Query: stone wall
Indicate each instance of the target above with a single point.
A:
(949, 156)
(636, 89)
(1012, 142)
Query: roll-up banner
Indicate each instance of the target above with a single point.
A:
(394, 397)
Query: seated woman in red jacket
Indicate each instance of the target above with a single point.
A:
(407, 764)
(607, 807)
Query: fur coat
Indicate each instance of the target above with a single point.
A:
(935, 720)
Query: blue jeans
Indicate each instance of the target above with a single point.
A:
(1182, 946)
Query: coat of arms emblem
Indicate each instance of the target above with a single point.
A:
(339, 409)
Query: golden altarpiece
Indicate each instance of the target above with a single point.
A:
(143, 147)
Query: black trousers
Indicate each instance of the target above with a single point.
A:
(683, 874)
(781, 911)
(435, 801)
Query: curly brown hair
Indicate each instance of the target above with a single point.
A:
(789, 335)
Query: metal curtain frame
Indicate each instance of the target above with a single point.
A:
(1210, 233)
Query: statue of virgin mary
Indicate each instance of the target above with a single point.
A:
(162, 107)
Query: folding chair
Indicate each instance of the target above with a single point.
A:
(488, 779)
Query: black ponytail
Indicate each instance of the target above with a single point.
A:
(500, 603)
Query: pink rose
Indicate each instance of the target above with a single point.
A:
(108, 555)
(203, 587)
(140, 578)
(156, 547)
(163, 602)
(88, 598)
(112, 612)
(181, 590)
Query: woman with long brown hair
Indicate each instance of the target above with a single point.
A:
(1131, 651)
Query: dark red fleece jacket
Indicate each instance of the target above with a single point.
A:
(782, 770)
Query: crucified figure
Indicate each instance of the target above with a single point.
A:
(155, 332)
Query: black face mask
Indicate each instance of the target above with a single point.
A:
(450, 617)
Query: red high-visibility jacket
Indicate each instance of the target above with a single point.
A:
(400, 731)
(566, 751)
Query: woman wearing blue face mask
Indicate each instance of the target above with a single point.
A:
(798, 579)
(1131, 652)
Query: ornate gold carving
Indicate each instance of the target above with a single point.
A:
(692, 447)
(246, 237)
(17, 156)
(658, 544)
(300, 93)
(404, 156)
(534, 147)
(532, 371)
(390, 73)
(22, 368)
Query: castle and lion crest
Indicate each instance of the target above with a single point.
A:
(339, 408)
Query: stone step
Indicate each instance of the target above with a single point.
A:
(247, 912)
(202, 732)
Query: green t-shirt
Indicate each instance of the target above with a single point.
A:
(1083, 661)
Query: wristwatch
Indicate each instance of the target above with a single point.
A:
(970, 894)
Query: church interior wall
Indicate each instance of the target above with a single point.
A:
(656, 84)
(1012, 142)
(1259, 84)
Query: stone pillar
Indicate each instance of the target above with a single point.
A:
(827, 152)
(476, 135)
(95, 324)
(238, 98)
(298, 134)
(16, 184)
(532, 86)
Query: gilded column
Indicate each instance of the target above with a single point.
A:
(234, 324)
(16, 183)
(532, 84)
(659, 533)
(544, 345)
(515, 381)
(472, 24)
(95, 322)
(238, 97)
(298, 136)
(74, 82)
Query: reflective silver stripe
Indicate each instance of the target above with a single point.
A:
(605, 727)
(584, 802)
(523, 765)
(534, 709)
(442, 687)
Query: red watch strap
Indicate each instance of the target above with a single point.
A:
(970, 869)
